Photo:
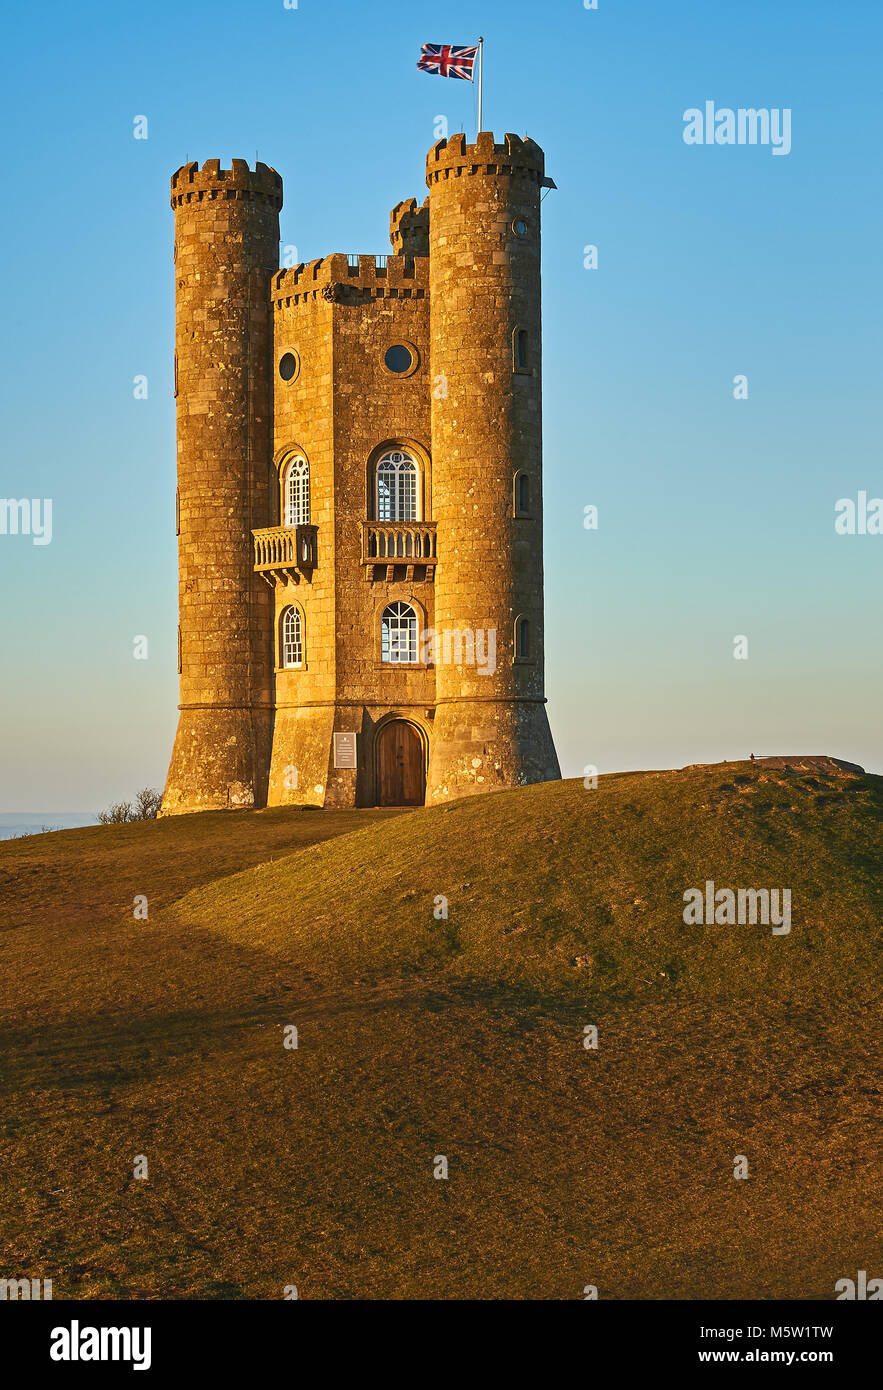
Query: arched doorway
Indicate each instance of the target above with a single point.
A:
(401, 767)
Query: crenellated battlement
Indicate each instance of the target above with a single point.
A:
(453, 157)
(335, 278)
(261, 184)
(409, 228)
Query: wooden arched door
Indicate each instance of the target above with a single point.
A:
(401, 772)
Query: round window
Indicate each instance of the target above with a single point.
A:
(519, 227)
(399, 359)
(288, 366)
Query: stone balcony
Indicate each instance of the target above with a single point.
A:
(282, 554)
(407, 544)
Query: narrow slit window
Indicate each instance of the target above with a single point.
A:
(522, 494)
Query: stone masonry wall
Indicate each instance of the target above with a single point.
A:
(490, 729)
(226, 248)
(342, 407)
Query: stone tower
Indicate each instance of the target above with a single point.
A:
(484, 258)
(360, 495)
(226, 248)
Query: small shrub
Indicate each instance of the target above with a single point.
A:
(147, 804)
(114, 815)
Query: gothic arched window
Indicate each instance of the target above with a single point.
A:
(291, 638)
(296, 492)
(398, 633)
(522, 639)
(398, 490)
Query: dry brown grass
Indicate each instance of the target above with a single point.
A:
(461, 1037)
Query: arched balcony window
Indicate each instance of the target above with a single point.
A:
(398, 634)
(397, 495)
(296, 492)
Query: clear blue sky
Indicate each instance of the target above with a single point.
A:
(716, 515)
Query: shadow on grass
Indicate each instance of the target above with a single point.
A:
(100, 1050)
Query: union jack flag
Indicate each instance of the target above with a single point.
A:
(446, 60)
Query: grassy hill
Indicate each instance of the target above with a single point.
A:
(420, 1035)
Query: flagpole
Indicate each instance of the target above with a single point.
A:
(480, 47)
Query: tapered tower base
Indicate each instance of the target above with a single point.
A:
(300, 765)
(220, 761)
(487, 745)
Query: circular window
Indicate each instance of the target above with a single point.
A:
(289, 366)
(399, 359)
(519, 227)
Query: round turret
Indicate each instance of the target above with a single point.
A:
(226, 249)
(490, 726)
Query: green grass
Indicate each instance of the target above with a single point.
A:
(421, 1036)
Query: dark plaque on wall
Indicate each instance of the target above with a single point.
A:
(344, 750)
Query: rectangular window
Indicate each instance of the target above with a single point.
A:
(397, 488)
(291, 653)
(522, 494)
(292, 639)
(398, 639)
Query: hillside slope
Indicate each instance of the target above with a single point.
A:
(422, 1036)
(580, 892)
